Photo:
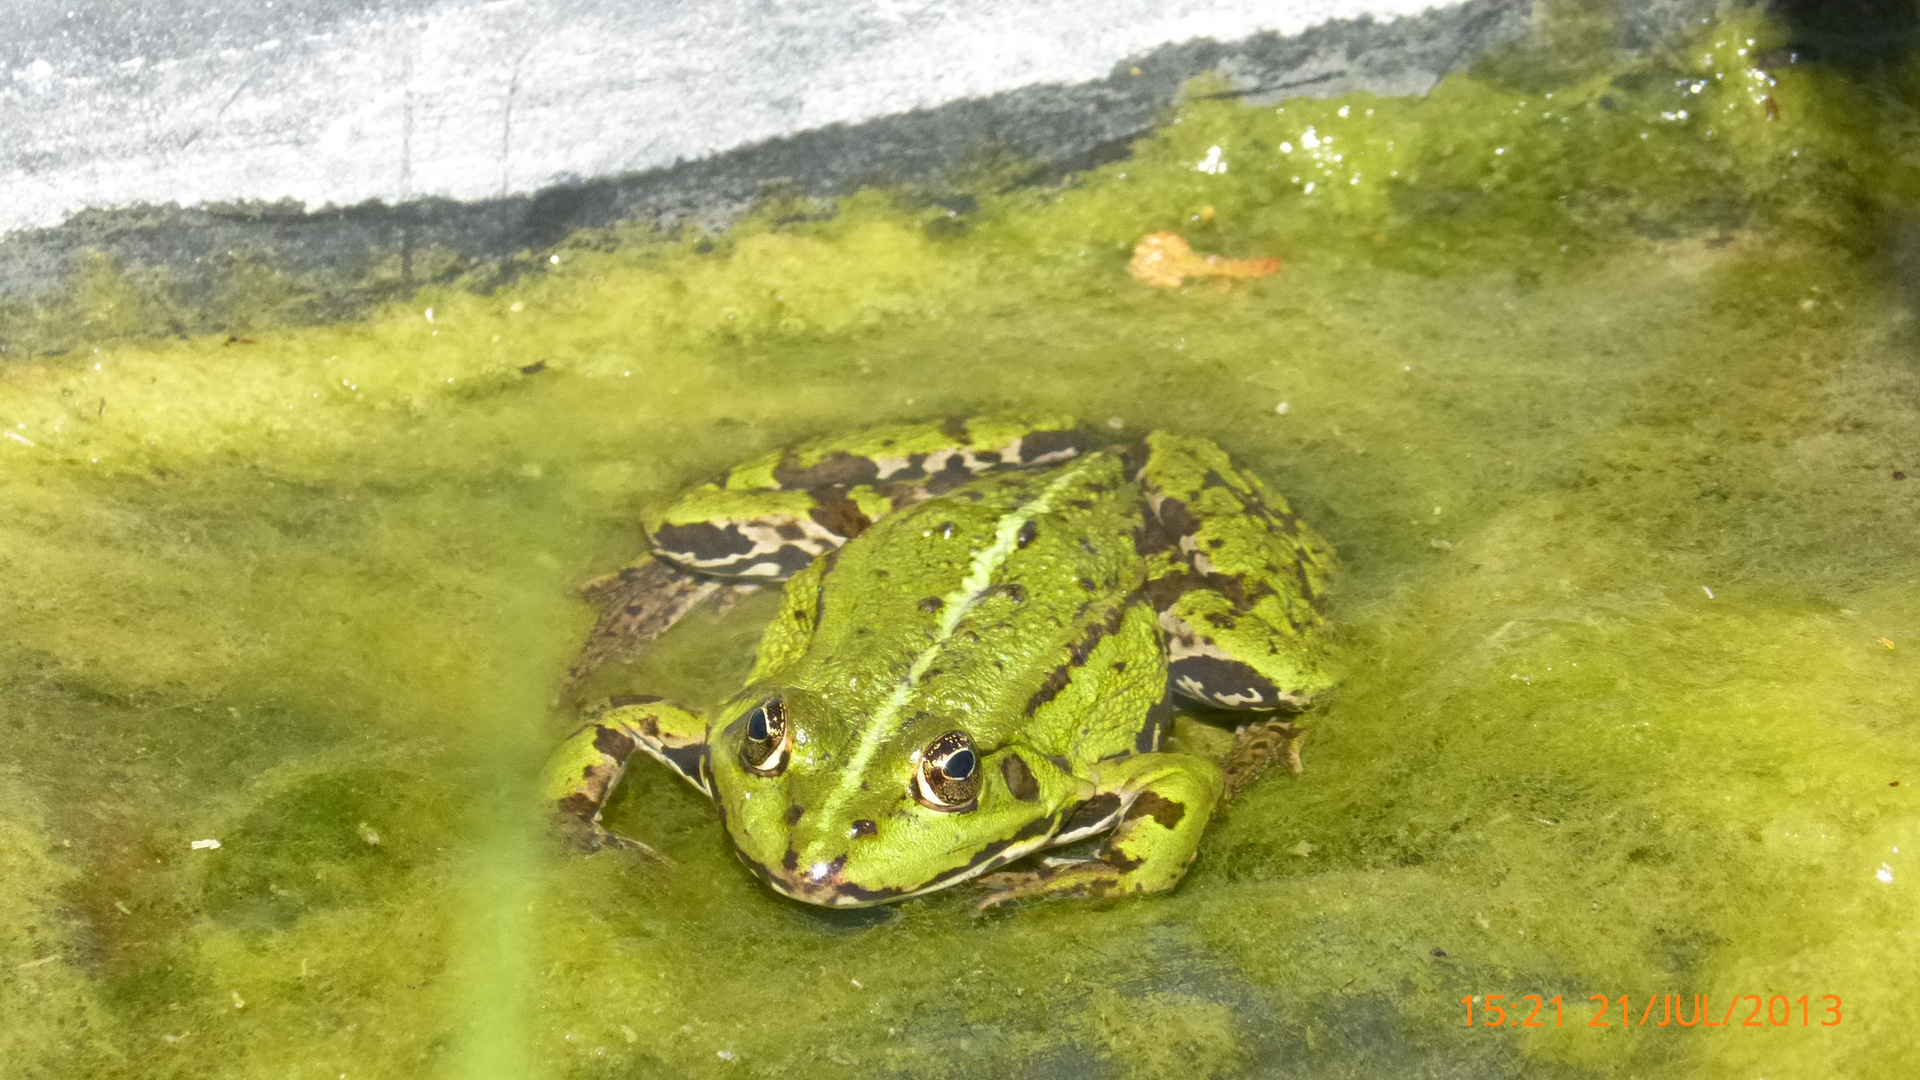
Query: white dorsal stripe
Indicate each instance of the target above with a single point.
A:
(986, 563)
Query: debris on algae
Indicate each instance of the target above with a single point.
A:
(1166, 260)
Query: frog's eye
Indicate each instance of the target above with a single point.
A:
(948, 774)
(768, 741)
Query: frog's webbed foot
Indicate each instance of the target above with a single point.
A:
(589, 837)
(638, 604)
(1257, 746)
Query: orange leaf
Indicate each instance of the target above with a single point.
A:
(1165, 260)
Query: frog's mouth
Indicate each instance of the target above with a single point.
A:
(822, 883)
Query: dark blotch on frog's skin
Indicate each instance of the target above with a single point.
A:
(1057, 680)
(951, 475)
(1158, 807)
(789, 560)
(1092, 812)
(1162, 592)
(1214, 479)
(1077, 655)
(839, 469)
(837, 514)
(866, 896)
(932, 604)
(1176, 520)
(794, 812)
(1224, 680)
(791, 863)
(864, 827)
(613, 742)
(1159, 718)
(580, 805)
(1038, 444)
(1020, 781)
(703, 541)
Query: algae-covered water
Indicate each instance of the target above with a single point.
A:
(1599, 372)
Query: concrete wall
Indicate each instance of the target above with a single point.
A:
(326, 138)
(330, 103)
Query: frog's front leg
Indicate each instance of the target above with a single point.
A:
(582, 773)
(1154, 806)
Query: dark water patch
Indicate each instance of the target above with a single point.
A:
(321, 842)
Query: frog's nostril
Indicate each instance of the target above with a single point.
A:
(862, 827)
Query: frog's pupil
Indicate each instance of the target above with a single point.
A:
(757, 725)
(960, 765)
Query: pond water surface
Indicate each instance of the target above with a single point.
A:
(1597, 372)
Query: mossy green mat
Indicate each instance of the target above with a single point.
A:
(1589, 372)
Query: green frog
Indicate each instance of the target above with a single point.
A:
(985, 629)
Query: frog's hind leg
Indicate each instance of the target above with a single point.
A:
(923, 459)
(713, 545)
(1236, 578)
(582, 773)
(638, 604)
(774, 516)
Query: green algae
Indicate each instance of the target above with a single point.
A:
(1604, 427)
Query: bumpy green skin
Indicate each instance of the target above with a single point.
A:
(1241, 583)
(993, 577)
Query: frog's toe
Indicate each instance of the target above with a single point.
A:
(636, 605)
(588, 837)
(1003, 888)
(1258, 745)
(1008, 888)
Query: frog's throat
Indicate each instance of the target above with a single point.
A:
(986, 563)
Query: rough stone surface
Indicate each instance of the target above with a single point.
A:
(325, 102)
(1077, 107)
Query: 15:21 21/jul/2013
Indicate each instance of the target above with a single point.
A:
(1659, 1010)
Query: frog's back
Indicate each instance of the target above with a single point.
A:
(971, 610)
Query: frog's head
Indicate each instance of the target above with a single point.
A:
(852, 814)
